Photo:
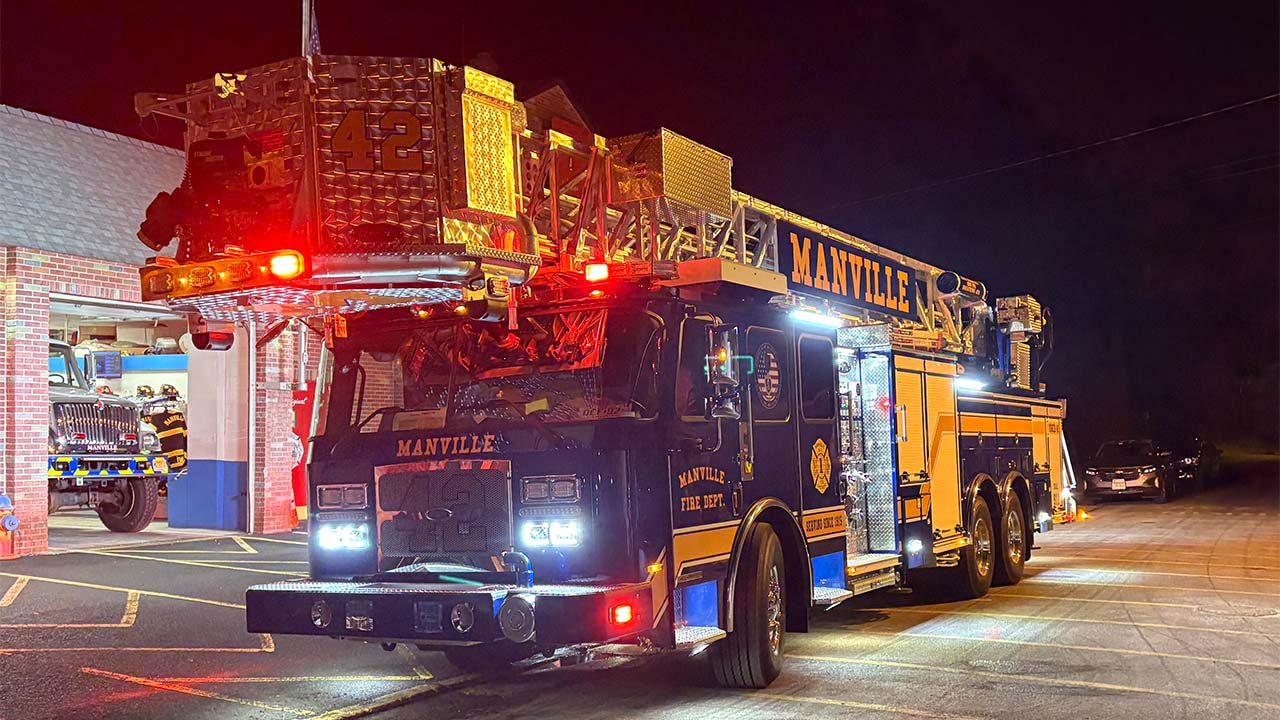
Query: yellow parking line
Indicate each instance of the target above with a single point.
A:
(407, 654)
(149, 593)
(127, 620)
(278, 540)
(247, 547)
(1008, 594)
(912, 712)
(223, 679)
(261, 562)
(1014, 616)
(145, 544)
(193, 563)
(394, 699)
(14, 591)
(1035, 679)
(160, 685)
(1068, 646)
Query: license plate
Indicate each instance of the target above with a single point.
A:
(1118, 485)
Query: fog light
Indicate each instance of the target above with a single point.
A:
(516, 618)
(463, 617)
(321, 614)
(914, 546)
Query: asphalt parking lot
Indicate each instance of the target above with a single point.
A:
(1143, 611)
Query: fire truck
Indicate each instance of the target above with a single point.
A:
(578, 390)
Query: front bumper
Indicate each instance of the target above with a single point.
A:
(95, 466)
(1147, 485)
(423, 613)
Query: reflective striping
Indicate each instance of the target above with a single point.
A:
(133, 465)
(712, 544)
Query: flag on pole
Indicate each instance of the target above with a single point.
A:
(310, 29)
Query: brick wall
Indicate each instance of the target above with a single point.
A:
(29, 276)
(27, 279)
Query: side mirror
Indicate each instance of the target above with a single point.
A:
(723, 380)
(90, 365)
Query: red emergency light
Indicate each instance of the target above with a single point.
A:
(622, 614)
(596, 272)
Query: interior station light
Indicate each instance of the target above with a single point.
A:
(596, 272)
(813, 318)
(286, 265)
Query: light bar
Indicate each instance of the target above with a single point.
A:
(814, 318)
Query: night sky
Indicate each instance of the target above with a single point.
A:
(1158, 254)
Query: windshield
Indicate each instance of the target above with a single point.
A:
(64, 371)
(1126, 451)
(555, 367)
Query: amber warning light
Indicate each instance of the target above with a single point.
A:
(170, 280)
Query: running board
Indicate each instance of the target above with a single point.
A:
(827, 597)
(691, 636)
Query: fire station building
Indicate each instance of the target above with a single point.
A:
(70, 205)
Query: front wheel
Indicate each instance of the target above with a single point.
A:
(1012, 544)
(751, 656)
(139, 498)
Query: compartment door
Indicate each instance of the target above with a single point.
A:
(908, 422)
(944, 453)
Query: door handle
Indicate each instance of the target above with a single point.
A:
(901, 413)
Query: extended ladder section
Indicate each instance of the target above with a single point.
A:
(336, 184)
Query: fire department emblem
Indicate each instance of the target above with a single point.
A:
(768, 376)
(820, 465)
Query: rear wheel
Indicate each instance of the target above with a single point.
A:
(1012, 544)
(972, 576)
(139, 497)
(751, 656)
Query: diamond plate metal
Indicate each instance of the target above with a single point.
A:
(877, 429)
(664, 164)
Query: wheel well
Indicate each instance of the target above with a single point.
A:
(795, 554)
(986, 489)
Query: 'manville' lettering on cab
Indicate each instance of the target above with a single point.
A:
(843, 272)
(452, 445)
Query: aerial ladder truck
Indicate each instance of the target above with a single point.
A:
(578, 390)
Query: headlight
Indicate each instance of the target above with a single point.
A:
(538, 489)
(1149, 469)
(341, 497)
(1090, 471)
(150, 441)
(345, 536)
(557, 533)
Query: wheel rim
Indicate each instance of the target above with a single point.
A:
(127, 496)
(773, 611)
(982, 546)
(1016, 536)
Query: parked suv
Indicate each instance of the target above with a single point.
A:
(99, 448)
(1132, 468)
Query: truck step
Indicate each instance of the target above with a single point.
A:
(865, 583)
(826, 597)
(691, 636)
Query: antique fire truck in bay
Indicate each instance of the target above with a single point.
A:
(578, 390)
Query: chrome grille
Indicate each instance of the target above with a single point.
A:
(102, 428)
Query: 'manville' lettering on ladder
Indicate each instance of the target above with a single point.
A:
(844, 272)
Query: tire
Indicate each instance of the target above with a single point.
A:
(141, 496)
(489, 659)
(751, 656)
(1012, 542)
(972, 577)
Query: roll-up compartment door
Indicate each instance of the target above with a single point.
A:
(944, 453)
(908, 421)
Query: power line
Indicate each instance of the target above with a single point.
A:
(1055, 154)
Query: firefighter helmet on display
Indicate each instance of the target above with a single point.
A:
(145, 391)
